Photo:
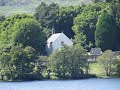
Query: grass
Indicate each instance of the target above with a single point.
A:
(30, 8)
(96, 69)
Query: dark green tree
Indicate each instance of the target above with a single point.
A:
(18, 63)
(46, 14)
(105, 35)
(6, 69)
(2, 18)
(115, 12)
(84, 25)
(64, 21)
(95, 1)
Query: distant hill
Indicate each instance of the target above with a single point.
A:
(8, 7)
(14, 2)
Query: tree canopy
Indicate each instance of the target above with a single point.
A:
(69, 62)
(23, 29)
(46, 14)
(18, 63)
(85, 25)
(30, 34)
(105, 34)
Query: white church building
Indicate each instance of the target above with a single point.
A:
(55, 41)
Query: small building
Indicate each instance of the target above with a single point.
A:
(55, 41)
(94, 53)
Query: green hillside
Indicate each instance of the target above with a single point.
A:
(30, 6)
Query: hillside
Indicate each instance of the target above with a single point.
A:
(8, 7)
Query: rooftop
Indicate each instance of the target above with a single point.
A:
(53, 37)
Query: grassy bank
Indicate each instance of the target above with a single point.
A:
(96, 69)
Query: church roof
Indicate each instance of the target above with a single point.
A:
(54, 37)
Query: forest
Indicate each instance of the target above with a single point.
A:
(23, 39)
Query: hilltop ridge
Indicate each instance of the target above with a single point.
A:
(8, 7)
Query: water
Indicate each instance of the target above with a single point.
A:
(86, 84)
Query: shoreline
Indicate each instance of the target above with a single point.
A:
(61, 79)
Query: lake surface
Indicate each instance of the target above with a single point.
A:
(86, 84)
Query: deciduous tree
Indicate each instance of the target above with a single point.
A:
(106, 60)
(105, 34)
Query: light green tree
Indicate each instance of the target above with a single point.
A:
(106, 60)
(69, 62)
(23, 29)
(29, 33)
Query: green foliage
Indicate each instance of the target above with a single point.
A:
(109, 0)
(6, 67)
(64, 21)
(13, 19)
(95, 1)
(46, 14)
(18, 63)
(22, 29)
(84, 25)
(116, 14)
(9, 22)
(29, 33)
(106, 60)
(2, 18)
(22, 39)
(42, 67)
(60, 18)
(105, 34)
(69, 62)
(117, 66)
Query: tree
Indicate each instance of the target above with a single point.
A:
(6, 27)
(42, 67)
(105, 34)
(30, 34)
(46, 14)
(110, 1)
(60, 18)
(18, 63)
(59, 63)
(117, 66)
(23, 29)
(95, 1)
(64, 21)
(78, 62)
(106, 60)
(68, 62)
(2, 18)
(6, 67)
(84, 25)
(115, 12)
